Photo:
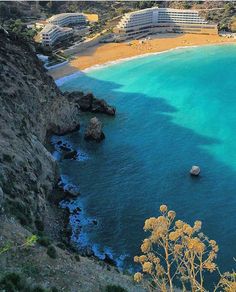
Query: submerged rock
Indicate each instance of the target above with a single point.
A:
(94, 131)
(195, 170)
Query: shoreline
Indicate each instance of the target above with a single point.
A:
(104, 55)
(74, 213)
(61, 80)
(109, 63)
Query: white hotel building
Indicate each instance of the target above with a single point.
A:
(55, 30)
(52, 34)
(65, 19)
(157, 20)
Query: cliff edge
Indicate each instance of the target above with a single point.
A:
(31, 108)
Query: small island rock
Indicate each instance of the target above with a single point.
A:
(94, 131)
(195, 170)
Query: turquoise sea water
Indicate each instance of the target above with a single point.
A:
(174, 110)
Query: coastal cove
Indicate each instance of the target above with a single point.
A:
(174, 110)
(117, 146)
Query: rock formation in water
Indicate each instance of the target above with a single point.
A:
(32, 108)
(94, 131)
(195, 170)
(88, 102)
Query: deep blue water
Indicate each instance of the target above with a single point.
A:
(174, 110)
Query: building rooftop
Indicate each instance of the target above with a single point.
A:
(178, 10)
(142, 11)
(49, 27)
(161, 9)
(62, 16)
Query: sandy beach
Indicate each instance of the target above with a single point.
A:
(105, 53)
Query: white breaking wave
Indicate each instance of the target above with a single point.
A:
(62, 80)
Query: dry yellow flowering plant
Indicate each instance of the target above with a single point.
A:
(175, 250)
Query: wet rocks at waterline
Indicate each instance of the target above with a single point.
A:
(70, 155)
(87, 102)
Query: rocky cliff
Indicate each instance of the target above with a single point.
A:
(31, 108)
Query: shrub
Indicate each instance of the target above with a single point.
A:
(20, 210)
(39, 225)
(39, 289)
(175, 250)
(7, 158)
(114, 288)
(61, 245)
(51, 251)
(29, 242)
(44, 241)
(13, 282)
(77, 258)
(30, 270)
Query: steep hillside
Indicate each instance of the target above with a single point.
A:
(31, 108)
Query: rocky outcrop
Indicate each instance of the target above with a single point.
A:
(87, 102)
(31, 106)
(195, 170)
(94, 131)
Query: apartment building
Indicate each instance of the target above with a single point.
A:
(157, 20)
(52, 34)
(65, 19)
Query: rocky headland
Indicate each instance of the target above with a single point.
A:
(32, 108)
(89, 103)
